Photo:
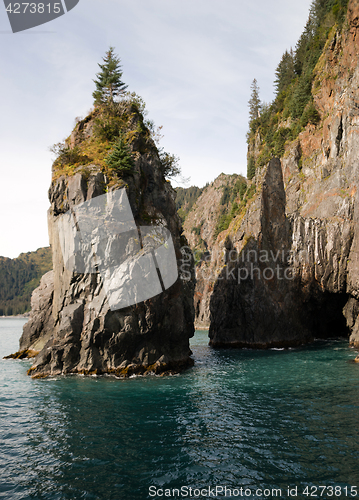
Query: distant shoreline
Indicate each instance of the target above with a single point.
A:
(25, 315)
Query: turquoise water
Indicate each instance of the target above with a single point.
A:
(250, 419)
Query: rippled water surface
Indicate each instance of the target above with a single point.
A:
(251, 419)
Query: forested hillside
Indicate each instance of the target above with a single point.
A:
(186, 198)
(298, 78)
(303, 157)
(19, 277)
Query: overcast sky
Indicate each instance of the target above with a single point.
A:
(192, 61)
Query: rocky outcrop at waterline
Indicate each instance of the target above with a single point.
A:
(283, 280)
(72, 325)
(289, 267)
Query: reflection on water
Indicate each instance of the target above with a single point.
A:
(237, 418)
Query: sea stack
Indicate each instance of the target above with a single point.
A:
(72, 325)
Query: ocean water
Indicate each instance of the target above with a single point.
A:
(256, 420)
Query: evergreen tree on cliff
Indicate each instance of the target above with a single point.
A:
(254, 102)
(108, 83)
(285, 73)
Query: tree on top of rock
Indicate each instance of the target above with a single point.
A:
(108, 83)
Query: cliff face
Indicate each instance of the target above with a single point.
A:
(201, 230)
(291, 270)
(77, 332)
(201, 222)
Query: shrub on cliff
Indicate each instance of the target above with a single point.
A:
(107, 125)
(279, 140)
(169, 163)
(66, 155)
(242, 187)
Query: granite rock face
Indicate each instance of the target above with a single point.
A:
(290, 267)
(74, 328)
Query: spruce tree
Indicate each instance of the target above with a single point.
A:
(120, 159)
(251, 168)
(108, 83)
(285, 72)
(254, 102)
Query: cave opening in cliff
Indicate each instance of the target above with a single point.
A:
(326, 316)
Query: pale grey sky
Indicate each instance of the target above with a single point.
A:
(192, 61)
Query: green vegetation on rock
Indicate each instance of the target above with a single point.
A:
(108, 83)
(19, 277)
(120, 158)
(254, 103)
(272, 125)
(114, 134)
(186, 198)
(233, 201)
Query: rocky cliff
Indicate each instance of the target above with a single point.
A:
(73, 328)
(212, 211)
(290, 268)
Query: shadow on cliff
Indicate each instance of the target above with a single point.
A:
(261, 298)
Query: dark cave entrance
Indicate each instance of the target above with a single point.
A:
(326, 317)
